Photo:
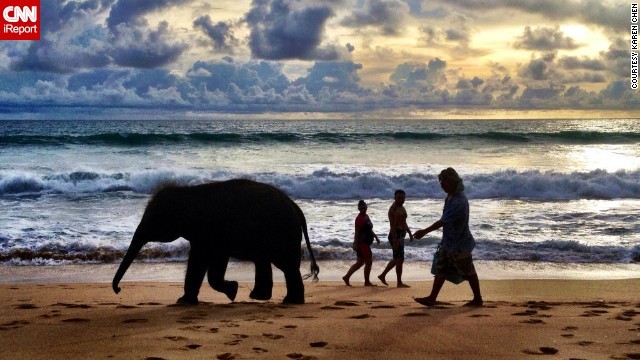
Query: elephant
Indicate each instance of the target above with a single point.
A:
(238, 218)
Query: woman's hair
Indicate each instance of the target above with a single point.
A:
(451, 176)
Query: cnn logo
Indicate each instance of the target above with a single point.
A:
(20, 20)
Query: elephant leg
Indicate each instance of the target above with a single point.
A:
(293, 278)
(215, 275)
(295, 287)
(264, 281)
(196, 268)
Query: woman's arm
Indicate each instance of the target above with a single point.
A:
(435, 226)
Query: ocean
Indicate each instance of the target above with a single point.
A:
(543, 193)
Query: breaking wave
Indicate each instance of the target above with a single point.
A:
(325, 184)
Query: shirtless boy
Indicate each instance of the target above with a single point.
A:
(398, 229)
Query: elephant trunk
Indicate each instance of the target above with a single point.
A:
(131, 254)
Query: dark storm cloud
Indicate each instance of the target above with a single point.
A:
(146, 48)
(415, 75)
(220, 33)
(60, 20)
(595, 12)
(73, 41)
(130, 12)
(542, 68)
(58, 14)
(544, 39)
(280, 32)
(219, 75)
(387, 15)
(338, 76)
(574, 62)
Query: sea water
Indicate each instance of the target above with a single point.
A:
(544, 192)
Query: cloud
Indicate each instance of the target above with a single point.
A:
(386, 15)
(131, 12)
(280, 32)
(220, 33)
(544, 39)
(574, 62)
(143, 48)
(416, 75)
(340, 76)
(96, 55)
(542, 68)
(607, 14)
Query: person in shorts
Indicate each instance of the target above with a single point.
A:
(397, 232)
(362, 240)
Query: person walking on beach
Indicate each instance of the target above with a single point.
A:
(398, 230)
(457, 242)
(362, 240)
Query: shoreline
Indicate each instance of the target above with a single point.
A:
(572, 319)
(330, 270)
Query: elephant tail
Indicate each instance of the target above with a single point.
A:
(315, 269)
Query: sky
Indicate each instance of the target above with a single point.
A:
(133, 58)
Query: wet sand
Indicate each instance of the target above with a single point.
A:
(521, 319)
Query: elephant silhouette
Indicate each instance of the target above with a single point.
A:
(238, 218)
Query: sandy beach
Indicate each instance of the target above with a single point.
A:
(521, 319)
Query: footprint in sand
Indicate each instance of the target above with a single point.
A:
(272, 336)
(126, 307)
(298, 356)
(154, 358)
(135, 321)
(73, 306)
(586, 343)
(76, 320)
(318, 344)
(540, 305)
(627, 315)
(14, 325)
(193, 346)
(416, 314)
(329, 307)
(176, 338)
(383, 307)
(26, 307)
(545, 350)
(525, 313)
(346, 303)
(533, 321)
(289, 327)
(258, 350)
(226, 356)
(230, 323)
(479, 315)
(593, 313)
(192, 328)
(363, 316)
(233, 342)
(632, 356)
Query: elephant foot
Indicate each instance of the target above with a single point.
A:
(293, 300)
(231, 289)
(258, 295)
(187, 301)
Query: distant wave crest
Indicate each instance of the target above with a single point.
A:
(325, 184)
(147, 139)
